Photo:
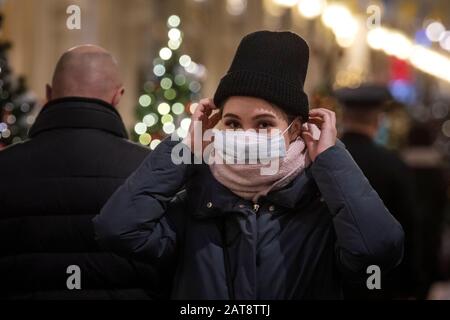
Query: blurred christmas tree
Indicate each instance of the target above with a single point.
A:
(166, 102)
(15, 101)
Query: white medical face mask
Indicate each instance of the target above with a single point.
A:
(250, 147)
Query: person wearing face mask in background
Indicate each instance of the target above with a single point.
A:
(233, 234)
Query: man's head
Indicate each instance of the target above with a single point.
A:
(363, 107)
(87, 71)
(362, 121)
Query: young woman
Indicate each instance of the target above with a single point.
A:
(233, 233)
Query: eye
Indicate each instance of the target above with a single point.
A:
(233, 124)
(265, 124)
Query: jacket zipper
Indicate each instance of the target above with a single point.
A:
(255, 207)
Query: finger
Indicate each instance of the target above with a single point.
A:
(207, 101)
(317, 121)
(204, 107)
(309, 139)
(214, 119)
(319, 112)
(199, 110)
(332, 116)
(200, 114)
(208, 105)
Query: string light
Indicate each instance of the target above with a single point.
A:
(174, 44)
(140, 128)
(174, 34)
(168, 127)
(163, 108)
(185, 123)
(195, 86)
(236, 7)
(11, 119)
(311, 9)
(446, 128)
(286, 3)
(145, 139)
(345, 26)
(159, 70)
(154, 143)
(166, 118)
(341, 21)
(170, 94)
(185, 60)
(150, 119)
(173, 21)
(6, 133)
(177, 108)
(165, 53)
(434, 31)
(145, 100)
(30, 120)
(180, 79)
(445, 41)
(181, 132)
(166, 83)
(25, 107)
(170, 77)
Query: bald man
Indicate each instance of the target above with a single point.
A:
(87, 71)
(53, 184)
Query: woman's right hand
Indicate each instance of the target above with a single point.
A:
(201, 120)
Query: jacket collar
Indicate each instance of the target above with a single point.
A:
(78, 112)
(208, 197)
(301, 188)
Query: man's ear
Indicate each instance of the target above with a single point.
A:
(117, 96)
(48, 92)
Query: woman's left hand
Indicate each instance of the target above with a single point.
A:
(326, 121)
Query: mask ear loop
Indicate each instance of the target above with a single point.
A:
(299, 136)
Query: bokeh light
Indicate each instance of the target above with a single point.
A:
(145, 100)
(145, 139)
(163, 108)
(165, 53)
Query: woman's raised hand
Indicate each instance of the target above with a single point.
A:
(326, 121)
(201, 120)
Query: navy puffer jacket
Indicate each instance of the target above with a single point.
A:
(299, 242)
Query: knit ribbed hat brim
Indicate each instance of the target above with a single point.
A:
(290, 98)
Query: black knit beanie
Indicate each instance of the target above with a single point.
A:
(272, 66)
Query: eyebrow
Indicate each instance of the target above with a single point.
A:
(231, 115)
(263, 115)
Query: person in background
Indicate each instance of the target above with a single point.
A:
(431, 178)
(363, 109)
(53, 184)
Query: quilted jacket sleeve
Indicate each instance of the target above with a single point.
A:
(144, 217)
(367, 234)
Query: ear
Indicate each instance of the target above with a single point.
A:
(296, 129)
(48, 92)
(117, 96)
